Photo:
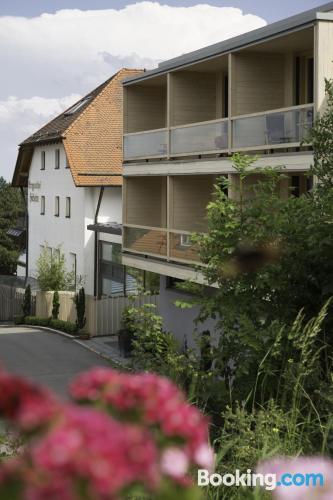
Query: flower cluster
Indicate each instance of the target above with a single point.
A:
(27, 405)
(81, 452)
(88, 450)
(156, 403)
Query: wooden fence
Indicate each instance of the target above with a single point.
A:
(103, 315)
(11, 301)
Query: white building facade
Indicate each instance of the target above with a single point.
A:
(59, 213)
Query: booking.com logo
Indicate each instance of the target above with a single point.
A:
(266, 481)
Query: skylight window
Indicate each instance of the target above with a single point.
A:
(77, 106)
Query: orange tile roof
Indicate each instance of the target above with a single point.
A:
(91, 131)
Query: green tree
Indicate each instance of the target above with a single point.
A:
(11, 207)
(80, 303)
(51, 271)
(26, 306)
(270, 257)
(55, 305)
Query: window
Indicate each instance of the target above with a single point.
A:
(310, 82)
(57, 206)
(57, 159)
(42, 160)
(73, 267)
(68, 207)
(309, 183)
(116, 279)
(185, 240)
(295, 186)
(67, 162)
(77, 106)
(42, 205)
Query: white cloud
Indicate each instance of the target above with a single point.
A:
(71, 51)
(19, 118)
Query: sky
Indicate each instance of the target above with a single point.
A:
(54, 51)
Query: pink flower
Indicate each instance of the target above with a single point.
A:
(174, 462)
(24, 403)
(87, 445)
(204, 457)
(298, 468)
(154, 401)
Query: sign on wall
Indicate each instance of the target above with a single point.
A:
(34, 186)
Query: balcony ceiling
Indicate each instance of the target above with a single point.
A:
(211, 66)
(299, 41)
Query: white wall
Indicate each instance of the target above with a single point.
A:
(180, 322)
(71, 233)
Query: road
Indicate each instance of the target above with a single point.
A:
(46, 357)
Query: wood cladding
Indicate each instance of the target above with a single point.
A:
(146, 201)
(193, 97)
(257, 82)
(145, 108)
(189, 198)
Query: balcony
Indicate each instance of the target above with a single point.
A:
(161, 214)
(151, 144)
(209, 137)
(281, 128)
(276, 129)
(162, 243)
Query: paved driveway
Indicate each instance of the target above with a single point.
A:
(45, 357)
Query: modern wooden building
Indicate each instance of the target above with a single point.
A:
(257, 93)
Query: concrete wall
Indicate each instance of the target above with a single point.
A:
(180, 321)
(70, 233)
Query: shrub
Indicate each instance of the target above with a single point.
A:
(36, 321)
(64, 326)
(19, 319)
(57, 324)
(55, 305)
(154, 349)
(51, 271)
(80, 303)
(26, 306)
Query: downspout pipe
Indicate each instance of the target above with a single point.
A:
(100, 197)
(26, 235)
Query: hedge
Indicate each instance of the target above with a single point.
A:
(57, 324)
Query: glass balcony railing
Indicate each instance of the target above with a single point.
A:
(277, 128)
(182, 247)
(159, 242)
(207, 137)
(280, 128)
(150, 144)
(146, 241)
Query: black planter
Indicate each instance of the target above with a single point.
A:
(125, 339)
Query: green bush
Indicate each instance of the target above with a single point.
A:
(26, 306)
(63, 326)
(55, 305)
(57, 324)
(36, 321)
(19, 319)
(80, 304)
